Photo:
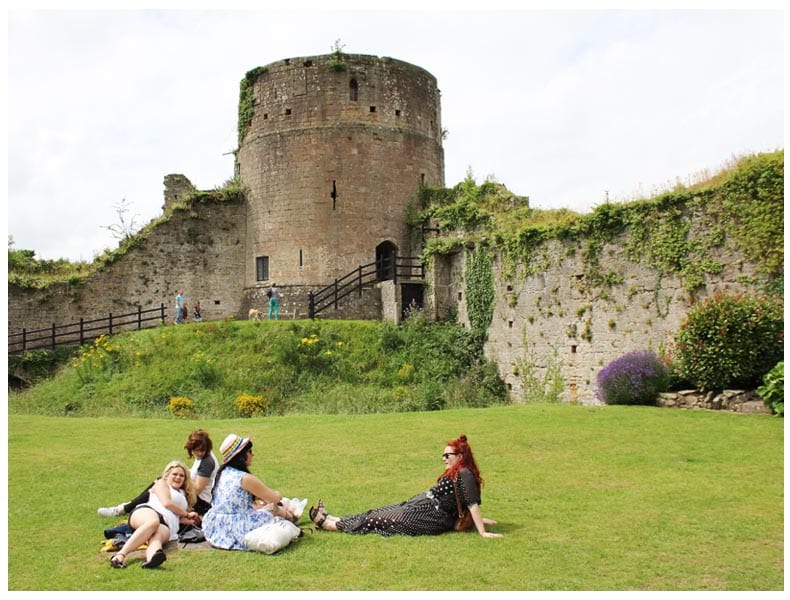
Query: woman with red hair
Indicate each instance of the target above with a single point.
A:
(457, 490)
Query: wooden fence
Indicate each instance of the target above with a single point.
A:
(73, 334)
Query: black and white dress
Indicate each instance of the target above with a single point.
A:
(429, 513)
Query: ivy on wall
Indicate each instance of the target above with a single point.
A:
(674, 232)
(480, 294)
(247, 100)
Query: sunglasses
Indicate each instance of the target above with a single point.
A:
(447, 455)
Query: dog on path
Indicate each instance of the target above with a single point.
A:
(254, 315)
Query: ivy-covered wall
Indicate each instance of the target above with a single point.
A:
(570, 293)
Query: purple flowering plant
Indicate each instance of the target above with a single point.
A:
(635, 378)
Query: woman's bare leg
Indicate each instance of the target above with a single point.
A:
(157, 541)
(145, 523)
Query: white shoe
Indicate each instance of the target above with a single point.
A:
(110, 511)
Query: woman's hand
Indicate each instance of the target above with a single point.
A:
(490, 534)
(190, 518)
(481, 523)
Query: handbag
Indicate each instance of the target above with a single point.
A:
(272, 536)
(465, 521)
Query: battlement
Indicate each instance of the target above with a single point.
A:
(316, 91)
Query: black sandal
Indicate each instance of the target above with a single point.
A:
(117, 561)
(316, 512)
(157, 559)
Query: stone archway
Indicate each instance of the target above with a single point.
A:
(385, 260)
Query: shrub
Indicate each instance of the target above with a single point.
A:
(181, 407)
(634, 378)
(37, 365)
(251, 406)
(730, 342)
(406, 373)
(773, 389)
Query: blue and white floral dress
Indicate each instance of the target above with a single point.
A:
(232, 515)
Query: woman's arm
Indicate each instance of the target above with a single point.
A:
(257, 488)
(162, 491)
(480, 522)
(200, 484)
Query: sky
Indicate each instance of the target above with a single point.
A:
(569, 107)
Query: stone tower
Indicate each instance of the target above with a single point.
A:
(332, 149)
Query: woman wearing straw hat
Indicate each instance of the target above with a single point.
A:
(233, 513)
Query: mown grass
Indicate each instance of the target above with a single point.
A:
(588, 498)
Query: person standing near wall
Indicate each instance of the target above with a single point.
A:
(179, 307)
(274, 301)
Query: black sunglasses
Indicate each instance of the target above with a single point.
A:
(447, 455)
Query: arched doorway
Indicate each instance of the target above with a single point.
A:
(385, 261)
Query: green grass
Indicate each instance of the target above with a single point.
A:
(604, 498)
(300, 366)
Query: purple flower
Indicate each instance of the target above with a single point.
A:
(634, 378)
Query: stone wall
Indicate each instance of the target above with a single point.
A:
(295, 303)
(555, 325)
(741, 401)
(199, 250)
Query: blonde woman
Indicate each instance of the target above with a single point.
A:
(156, 522)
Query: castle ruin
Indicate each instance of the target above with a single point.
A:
(332, 149)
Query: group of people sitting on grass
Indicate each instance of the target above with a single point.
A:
(229, 502)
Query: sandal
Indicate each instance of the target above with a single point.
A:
(318, 515)
(117, 561)
(157, 559)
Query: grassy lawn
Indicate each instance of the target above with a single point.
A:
(604, 498)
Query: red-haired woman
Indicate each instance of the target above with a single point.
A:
(428, 513)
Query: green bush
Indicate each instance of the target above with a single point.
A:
(730, 341)
(773, 389)
(36, 365)
(634, 378)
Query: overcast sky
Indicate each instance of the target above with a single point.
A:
(562, 106)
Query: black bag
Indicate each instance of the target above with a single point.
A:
(269, 293)
(191, 535)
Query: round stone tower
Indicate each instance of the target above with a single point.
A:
(332, 149)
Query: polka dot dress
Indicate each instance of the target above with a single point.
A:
(430, 513)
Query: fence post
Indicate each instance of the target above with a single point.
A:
(335, 293)
(24, 339)
(162, 312)
(139, 317)
(311, 305)
(394, 268)
(359, 280)
(109, 326)
(53, 337)
(82, 331)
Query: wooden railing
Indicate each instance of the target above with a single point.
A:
(77, 333)
(388, 267)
